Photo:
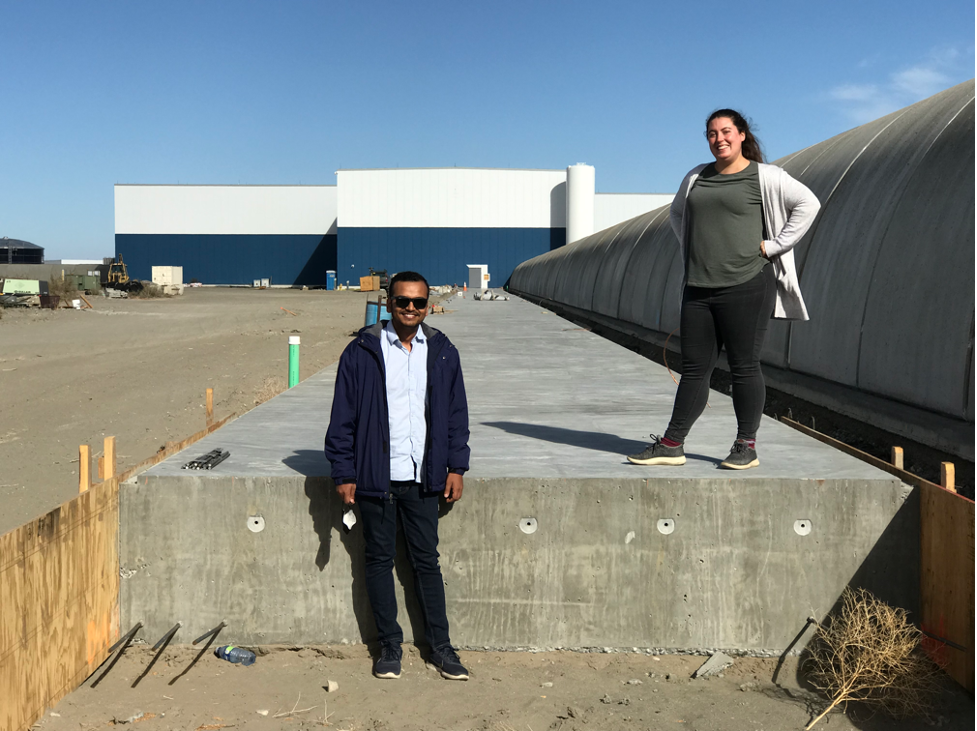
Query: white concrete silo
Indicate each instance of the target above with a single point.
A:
(580, 201)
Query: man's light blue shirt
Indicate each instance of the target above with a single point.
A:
(406, 402)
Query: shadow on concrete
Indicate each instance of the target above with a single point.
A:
(326, 511)
(309, 463)
(891, 569)
(891, 573)
(598, 441)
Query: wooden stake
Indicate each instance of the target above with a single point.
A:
(210, 406)
(897, 458)
(86, 301)
(948, 476)
(109, 458)
(84, 469)
(101, 468)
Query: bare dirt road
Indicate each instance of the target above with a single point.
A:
(139, 370)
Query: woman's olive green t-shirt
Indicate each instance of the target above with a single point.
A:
(726, 227)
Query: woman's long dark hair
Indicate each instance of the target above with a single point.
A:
(751, 145)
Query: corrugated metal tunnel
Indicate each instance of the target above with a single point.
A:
(887, 271)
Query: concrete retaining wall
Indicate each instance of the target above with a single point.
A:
(886, 270)
(602, 569)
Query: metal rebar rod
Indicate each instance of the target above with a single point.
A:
(210, 632)
(944, 640)
(126, 637)
(124, 643)
(168, 636)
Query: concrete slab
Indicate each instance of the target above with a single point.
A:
(559, 541)
(546, 399)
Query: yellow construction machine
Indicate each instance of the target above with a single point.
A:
(117, 274)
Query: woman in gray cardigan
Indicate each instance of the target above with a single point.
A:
(737, 220)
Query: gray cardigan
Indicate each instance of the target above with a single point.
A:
(789, 209)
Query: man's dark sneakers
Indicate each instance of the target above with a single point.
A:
(658, 453)
(387, 666)
(741, 457)
(446, 661)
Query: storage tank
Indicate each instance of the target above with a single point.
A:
(580, 201)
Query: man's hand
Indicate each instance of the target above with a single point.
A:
(453, 487)
(347, 491)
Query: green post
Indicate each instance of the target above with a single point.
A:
(293, 360)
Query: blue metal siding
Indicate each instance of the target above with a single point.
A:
(232, 258)
(442, 255)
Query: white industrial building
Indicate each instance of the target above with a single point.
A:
(432, 220)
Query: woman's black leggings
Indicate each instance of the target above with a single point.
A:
(736, 317)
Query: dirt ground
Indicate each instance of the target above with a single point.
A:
(512, 691)
(139, 369)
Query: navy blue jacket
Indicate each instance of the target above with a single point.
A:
(358, 437)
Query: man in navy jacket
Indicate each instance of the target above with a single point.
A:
(397, 441)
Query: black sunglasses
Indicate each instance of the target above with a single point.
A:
(401, 302)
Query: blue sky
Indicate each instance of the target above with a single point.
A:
(98, 93)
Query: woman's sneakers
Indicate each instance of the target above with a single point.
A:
(659, 453)
(742, 455)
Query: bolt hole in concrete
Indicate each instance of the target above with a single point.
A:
(802, 527)
(256, 523)
(528, 525)
(666, 526)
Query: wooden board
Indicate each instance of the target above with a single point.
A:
(59, 596)
(59, 602)
(908, 477)
(947, 580)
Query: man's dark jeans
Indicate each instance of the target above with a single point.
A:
(418, 511)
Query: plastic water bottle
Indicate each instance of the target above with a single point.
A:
(235, 654)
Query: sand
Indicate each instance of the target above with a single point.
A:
(514, 691)
(139, 370)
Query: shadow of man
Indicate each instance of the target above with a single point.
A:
(327, 511)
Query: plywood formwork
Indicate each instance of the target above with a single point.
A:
(59, 591)
(59, 602)
(947, 580)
